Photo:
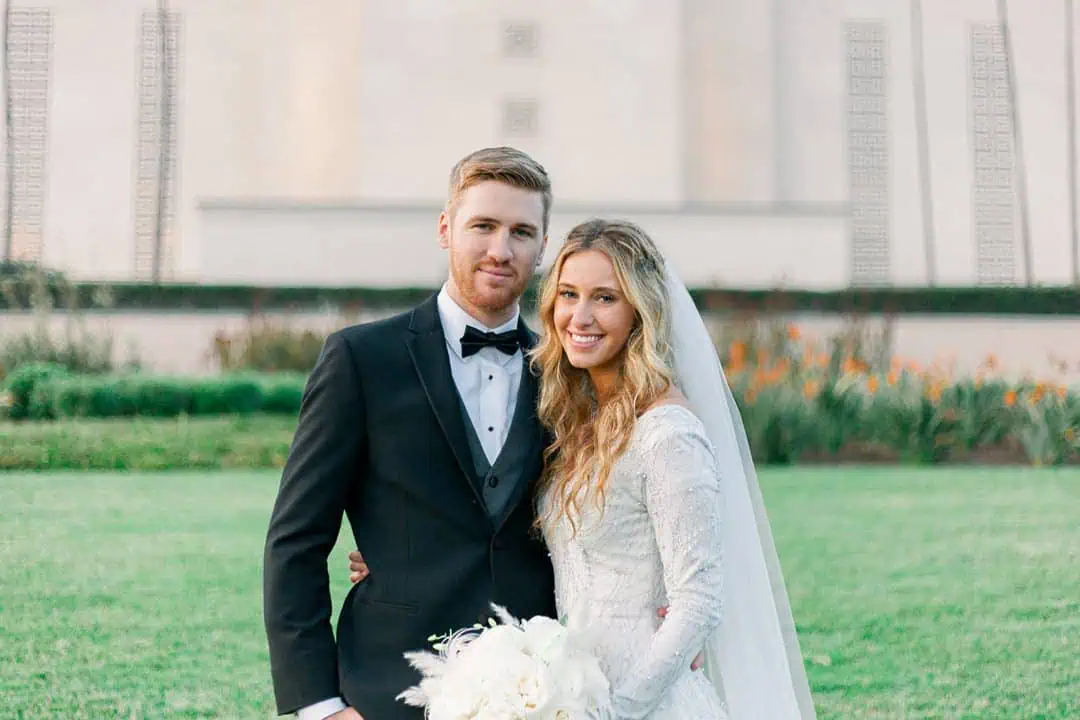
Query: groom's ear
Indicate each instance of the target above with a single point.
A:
(444, 229)
(540, 255)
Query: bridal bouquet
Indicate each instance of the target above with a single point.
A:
(509, 670)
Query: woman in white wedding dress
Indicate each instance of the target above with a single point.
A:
(648, 498)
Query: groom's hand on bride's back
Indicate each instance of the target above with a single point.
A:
(699, 660)
(358, 570)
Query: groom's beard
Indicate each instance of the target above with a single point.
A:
(480, 292)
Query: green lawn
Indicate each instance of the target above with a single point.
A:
(918, 593)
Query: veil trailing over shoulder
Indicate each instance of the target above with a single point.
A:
(754, 658)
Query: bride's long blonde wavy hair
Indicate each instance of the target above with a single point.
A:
(589, 436)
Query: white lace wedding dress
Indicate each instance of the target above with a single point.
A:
(656, 543)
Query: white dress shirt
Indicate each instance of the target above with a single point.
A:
(488, 381)
(488, 384)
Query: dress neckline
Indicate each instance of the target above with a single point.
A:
(658, 409)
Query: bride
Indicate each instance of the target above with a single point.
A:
(649, 497)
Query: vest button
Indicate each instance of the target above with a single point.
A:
(493, 481)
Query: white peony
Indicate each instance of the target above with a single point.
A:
(513, 670)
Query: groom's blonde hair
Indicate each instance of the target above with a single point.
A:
(502, 164)
(588, 438)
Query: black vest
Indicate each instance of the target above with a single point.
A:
(497, 483)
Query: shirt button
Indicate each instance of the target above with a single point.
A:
(491, 428)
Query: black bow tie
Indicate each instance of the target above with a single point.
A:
(474, 339)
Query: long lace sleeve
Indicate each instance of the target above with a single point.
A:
(682, 495)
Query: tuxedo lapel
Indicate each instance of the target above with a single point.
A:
(427, 347)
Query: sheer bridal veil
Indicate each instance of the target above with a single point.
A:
(754, 658)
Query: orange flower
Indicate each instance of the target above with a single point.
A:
(1010, 398)
(851, 365)
(934, 393)
(793, 332)
(991, 362)
(737, 352)
(894, 377)
(872, 384)
(1038, 393)
(1062, 391)
(823, 360)
(810, 389)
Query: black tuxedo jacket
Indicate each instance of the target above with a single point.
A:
(381, 438)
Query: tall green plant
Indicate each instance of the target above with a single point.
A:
(75, 346)
(265, 345)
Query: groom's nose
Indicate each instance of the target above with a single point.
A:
(499, 246)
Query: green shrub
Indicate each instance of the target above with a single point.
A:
(797, 405)
(283, 393)
(131, 395)
(23, 383)
(231, 394)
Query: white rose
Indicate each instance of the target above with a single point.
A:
(546, 638)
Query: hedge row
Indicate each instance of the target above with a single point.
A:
(49, 392)
(24, 281)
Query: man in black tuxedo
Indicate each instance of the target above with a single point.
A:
(422, 430)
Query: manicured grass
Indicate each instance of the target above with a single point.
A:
(934, 593)
(918, 593)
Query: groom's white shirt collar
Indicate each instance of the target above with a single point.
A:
(454, 319)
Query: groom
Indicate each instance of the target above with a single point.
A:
(422, 430)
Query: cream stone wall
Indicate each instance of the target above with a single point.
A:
(724, 125)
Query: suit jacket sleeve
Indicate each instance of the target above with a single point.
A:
(320, 474)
